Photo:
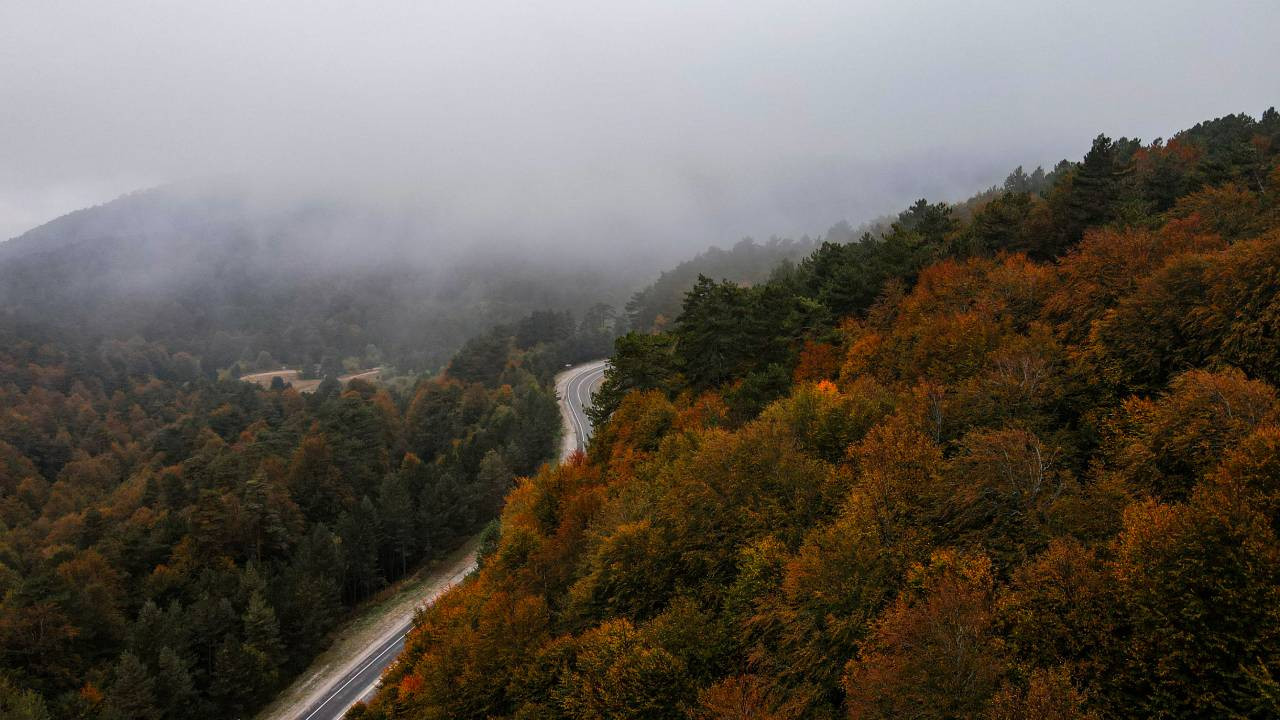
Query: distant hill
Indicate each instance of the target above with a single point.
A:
(220, 273)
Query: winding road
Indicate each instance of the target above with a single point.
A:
(574, 388)
(357, 679)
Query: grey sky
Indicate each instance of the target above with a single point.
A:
(679, 124)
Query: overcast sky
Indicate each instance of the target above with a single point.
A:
(680, 124)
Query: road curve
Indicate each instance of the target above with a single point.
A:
(359, 678)
(574, 387)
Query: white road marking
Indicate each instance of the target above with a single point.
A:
(355, 675)
(454, 580)
(578, 391)
(578, 396)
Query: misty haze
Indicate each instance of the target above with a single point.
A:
(667, 360)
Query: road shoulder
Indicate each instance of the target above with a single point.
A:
(370, 625)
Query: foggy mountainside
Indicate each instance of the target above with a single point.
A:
(217, 275)
(1018, 462)
(211, 273)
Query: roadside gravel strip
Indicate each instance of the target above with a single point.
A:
(350, 669)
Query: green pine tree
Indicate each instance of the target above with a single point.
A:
(131, 694)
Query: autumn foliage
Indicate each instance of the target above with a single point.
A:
(1033, 474)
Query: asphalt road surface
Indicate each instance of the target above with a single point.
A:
(360, 682)
(575, 387)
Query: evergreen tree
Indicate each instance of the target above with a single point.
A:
(1089, 197)
(640, 361)
(396, 513)
(131, 694)
(261, 630)
(241, 675)
(493, 479)
(316, 482)
(358, 530)
(174, 689)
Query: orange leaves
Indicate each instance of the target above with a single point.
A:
(746, 697)
(932, 653)
(956, 314)
(543, 525)
(957, 421)
(638, 423)
(1196, 309)
(818, 361)
(899, 474)
(1250, 472)
(826, 421)
(1008, 284)
(1104, 267)
(1163, 446)
(1161, 327)
(1227, 210)
(90, 694)
(1244, 295)
(706, 411)
(1021, 382)
(1061, 610)
(620, 672)
(831, 589)
(1147, 525)
(1200, 583)
(862, 355)
(1049, 695)
(1108, 265)
(409, 686)
(461, 647)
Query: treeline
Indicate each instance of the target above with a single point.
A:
(656, 306)
(173, 546)
(1014, 462)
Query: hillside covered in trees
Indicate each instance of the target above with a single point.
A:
(176, 546)
(1019, 461)
(220, 274)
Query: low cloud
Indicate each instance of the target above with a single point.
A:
(598, 128)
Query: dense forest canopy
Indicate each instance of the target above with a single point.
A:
(1012, 459)
(176, 546)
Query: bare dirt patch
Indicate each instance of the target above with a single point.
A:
(264, 379)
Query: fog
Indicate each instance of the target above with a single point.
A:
(599, 129)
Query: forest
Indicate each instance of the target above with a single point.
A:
(172, 545)
(1012, 458)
